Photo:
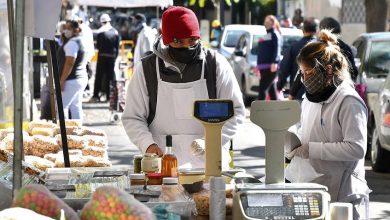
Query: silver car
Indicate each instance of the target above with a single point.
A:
(244, 57)
(373, 58)
(380, 144)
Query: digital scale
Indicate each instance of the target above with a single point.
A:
(213, 113)
(275, 199)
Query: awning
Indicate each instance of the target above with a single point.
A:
(126, 3)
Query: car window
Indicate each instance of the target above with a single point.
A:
(232, 37)
(359, 45)
(288, 40)
(379, 59)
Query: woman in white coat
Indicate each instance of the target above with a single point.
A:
(333, 132)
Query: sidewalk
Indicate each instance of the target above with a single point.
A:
(120, 149)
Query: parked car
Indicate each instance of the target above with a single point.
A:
(373, 58)
(231, 34)
(380, 143)
(244, 58)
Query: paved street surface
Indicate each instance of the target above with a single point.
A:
(248, 153)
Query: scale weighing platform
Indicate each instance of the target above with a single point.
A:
(280, 201)
(275, 199)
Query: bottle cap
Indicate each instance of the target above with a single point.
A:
(137, 176)
(170, 181)
(169, 140)
(138, 156)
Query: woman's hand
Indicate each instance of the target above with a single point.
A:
(154, 148)
(301, 151)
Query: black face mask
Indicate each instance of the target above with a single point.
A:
(185, 55)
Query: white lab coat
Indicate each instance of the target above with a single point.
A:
(336, 131)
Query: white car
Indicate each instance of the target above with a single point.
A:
(231, 34)
(244, 57)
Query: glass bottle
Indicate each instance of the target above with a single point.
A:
(169, 160)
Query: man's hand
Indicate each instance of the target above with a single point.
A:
(154, 148)
(301, 151)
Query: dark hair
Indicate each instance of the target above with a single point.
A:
(140, 17)
(310, 24)
(73, 23)
(331, 24)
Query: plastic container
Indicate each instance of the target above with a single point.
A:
(137, 179)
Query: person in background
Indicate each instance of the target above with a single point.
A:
(107, 43)
(216, 31)
(333, 129)
(72, 66)
(87, 37)
(288, 65)
(268, 57)
(328, 23)
(297, 18)
(161, 93)
(145, 38)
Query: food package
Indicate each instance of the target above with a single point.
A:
(40, 124)
(8, 143)
(5, 132)
(39, 199)
(52, 157)
(18, 213)
(38, 162)
(91, 131)
(70, 130)
(4, 155)
(75, 161)
(91, 161)
(74, 142)
(42, 145)
(71, 152)
(95, 140)
(73, 123)
(112, 203)
(202, 202)
(42, 131)
(95, 151)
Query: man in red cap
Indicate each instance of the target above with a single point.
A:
(165, 84)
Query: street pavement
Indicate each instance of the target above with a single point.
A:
(249, 153)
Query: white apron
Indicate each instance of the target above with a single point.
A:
(174, 116)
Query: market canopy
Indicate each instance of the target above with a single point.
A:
(126, 3)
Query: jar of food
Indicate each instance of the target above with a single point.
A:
(149, 163)
(137, 163)
(137, 179)
(170, 190)
(154, 179)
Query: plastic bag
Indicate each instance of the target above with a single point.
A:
(300, 170)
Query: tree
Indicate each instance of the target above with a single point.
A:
(375, 8)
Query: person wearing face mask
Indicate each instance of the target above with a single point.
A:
(72, 62)
(165, 84)
(145, 38)
(107, 43)
(268, 57)
(333, 128)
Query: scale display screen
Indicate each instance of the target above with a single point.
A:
(213, 111)
(265, 200)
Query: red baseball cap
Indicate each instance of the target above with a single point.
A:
(179, 22)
